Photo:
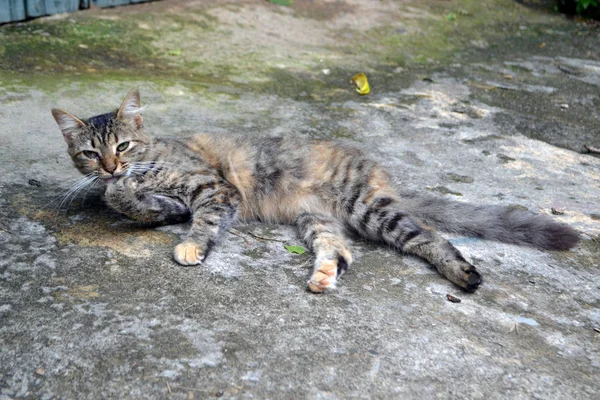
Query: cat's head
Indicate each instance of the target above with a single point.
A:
(107, 144)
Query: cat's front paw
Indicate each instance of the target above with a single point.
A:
(129, 182)
(120, 188)
(189, 253)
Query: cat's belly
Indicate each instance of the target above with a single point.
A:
(282, 209)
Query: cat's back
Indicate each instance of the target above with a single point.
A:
(265, 162)
(262, 153)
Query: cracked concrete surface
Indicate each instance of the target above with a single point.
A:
(92, 306)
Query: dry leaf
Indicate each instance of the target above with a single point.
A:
(361, 82)
(452, 299)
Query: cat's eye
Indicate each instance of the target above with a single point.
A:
(123, 146)
(91, 154)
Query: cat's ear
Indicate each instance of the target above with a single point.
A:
(69, 124)
(131, 109)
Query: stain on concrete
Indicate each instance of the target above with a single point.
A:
(452, 177)
(444, 190)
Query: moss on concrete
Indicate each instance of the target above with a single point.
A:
(82, 45)
(167, 45)
(452, 31)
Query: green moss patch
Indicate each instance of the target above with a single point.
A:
(85, 45)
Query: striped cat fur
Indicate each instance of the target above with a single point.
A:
(324, 188)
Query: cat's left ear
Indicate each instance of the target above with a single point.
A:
(69, 124)
(131, 110)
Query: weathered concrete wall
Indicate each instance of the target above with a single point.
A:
(481, 101)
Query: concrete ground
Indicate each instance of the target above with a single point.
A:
(480, 101)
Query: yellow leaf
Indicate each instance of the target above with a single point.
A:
(361, 82)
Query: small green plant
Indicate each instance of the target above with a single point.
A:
(583, 5)
(295, 249)
(451, 17)
(587, 8)
(282, 2)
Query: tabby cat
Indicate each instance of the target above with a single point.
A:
(323, 188)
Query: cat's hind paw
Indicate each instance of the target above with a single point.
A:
(465, 275)
(472, 280)
(324, 278)
(188, 253)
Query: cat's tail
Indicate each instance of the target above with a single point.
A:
(504, 224)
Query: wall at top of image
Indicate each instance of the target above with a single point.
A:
(19, 10)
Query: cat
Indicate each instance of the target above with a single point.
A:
(324, 188)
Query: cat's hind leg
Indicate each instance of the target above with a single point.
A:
(370, 205)
(379, 216)
(446, 258)
(325, 236)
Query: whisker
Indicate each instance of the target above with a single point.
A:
(87, 191)
(79, 191)
(60, 193)
(71, 191)
(74, 190)
(71, 182)
(140, 167)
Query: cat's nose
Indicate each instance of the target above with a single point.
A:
(109, 167)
